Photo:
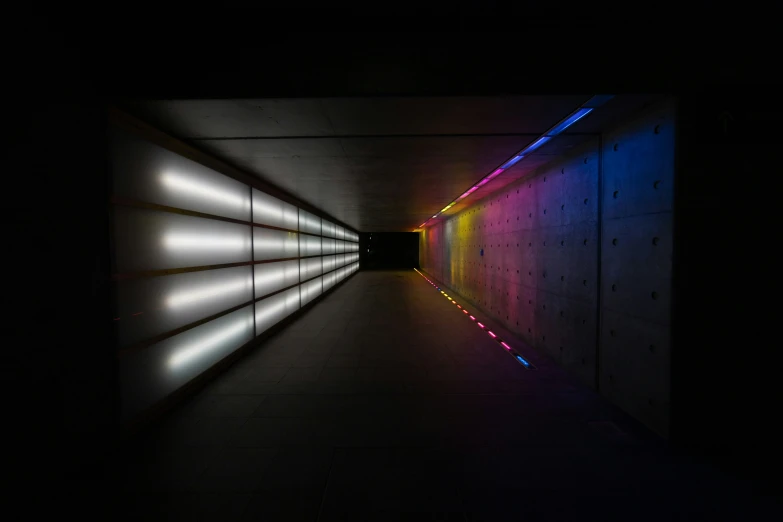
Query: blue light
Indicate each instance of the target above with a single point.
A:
(523, 361)
(536, 144)
(512, 161)
(575, 117)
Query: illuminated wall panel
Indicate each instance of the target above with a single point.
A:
(310, 268)
(273, 212)
(309, 245)
(329, 263)
(274, 244)
(309, 223)
(154, 240)
(151, 306)
(273, 309)
(155, 175)
(329, 246)
(270, 277)
(328, 228)
(310, 290)
(152, 373)
(196, 256)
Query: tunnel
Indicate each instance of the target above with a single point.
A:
(335, 304)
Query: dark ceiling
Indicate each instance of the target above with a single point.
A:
(376, 164)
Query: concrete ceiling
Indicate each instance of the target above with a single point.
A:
(377, 164)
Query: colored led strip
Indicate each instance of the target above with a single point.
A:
(587, 108)
(521, 360)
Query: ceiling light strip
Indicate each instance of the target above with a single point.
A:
(587, 108)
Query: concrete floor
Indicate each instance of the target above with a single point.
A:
(383, 402)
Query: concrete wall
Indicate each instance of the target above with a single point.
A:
(552, 273)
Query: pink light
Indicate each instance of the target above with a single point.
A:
(505, 345)
(495, 173)
(492, 334)
(480, 325)
(473, 318)
(482, 182)
(458, 306)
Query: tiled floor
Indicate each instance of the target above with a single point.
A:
(384, 402)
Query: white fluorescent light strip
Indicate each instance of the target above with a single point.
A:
(205, 345)
(206, 191)
(270, 311)
(273, 276)
(201, 242)
(274, 244)
(208, 292)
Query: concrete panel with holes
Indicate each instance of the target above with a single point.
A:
(539, 237)
(581, 276)
(636, 265)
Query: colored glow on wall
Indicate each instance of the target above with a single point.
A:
(492, 334)
(551, 133)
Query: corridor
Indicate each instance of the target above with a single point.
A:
(384, 402)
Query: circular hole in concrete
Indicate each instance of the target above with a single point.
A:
(615, 147)
(616, 194)
(562, 278)
(614, 241)
(655, 241)
(654, 295)
(614, 288)
(562, 243)
(584, 242)
(562, 207)
(657, 129)
(612, 333)
(585, 161)
(544, 211)
(585, 201)
(651, 348)
(584, 282)
(656, 184)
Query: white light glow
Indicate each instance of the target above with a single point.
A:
(270, 311)
(272, 276)
(203, 190)
(208, 344)
(202, 242)
(207, 292)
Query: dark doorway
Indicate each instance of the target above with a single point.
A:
(389, 250)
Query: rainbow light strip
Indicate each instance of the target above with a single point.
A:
(559, 127)
(521, 360)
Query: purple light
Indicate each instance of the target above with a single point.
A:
(495, 173)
